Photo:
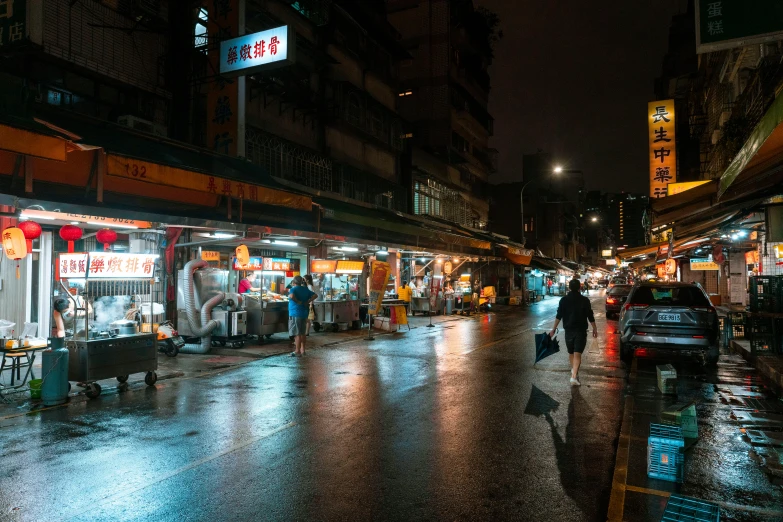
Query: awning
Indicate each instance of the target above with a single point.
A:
(764, 147)
(518, 256)
(26, 136)
(628, 253)
(162, 162)
(644, 263)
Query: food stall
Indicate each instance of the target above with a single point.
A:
(267, 309)
(337, 285)
(463, 295)
(112, 288)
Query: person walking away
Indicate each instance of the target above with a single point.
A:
(299, 299)
(575, 311)
(404, 292)
(311, 312)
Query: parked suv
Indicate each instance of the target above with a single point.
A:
(675, 317)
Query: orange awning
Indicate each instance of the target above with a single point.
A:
(30, 143)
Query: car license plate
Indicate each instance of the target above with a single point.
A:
(669, 318)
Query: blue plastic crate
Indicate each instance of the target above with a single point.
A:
(665, 458)
(686, 509)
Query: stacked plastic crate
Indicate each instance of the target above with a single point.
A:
(687, 509)
(766, 297)
(665, 457)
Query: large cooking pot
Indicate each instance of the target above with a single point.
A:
(124, 327)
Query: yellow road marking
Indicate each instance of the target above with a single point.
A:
(646, 491)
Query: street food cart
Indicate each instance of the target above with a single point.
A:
(114, 288)
(337, 285)
(267, 313)
(463, 296)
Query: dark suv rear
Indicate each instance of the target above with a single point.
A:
(669, 316)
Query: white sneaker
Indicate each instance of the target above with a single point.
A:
(575, 382)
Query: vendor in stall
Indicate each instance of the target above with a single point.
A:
(60, 307)
(246, 284)
(405, 293)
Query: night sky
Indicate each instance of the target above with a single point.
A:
(573, 78)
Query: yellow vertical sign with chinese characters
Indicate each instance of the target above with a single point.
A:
(663, 151)
(223, 93)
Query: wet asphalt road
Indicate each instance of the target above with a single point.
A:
(445, 423)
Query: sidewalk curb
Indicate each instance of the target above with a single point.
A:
(617, 498)
(770, 366)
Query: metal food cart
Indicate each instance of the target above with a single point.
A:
(265, 317)
(422, 304)
(336, 313)
(116, 287)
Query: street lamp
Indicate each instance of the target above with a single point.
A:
(594, 219)
(558, 169)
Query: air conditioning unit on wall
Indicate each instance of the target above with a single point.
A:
(142, 125)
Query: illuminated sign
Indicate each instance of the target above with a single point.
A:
(107, 265)
(85, 218)
(277, 264)
(606, 253)
(323, 266)
(663, 152)
(349, 267)
(253, 52)
(671, 266)
(254, 263)
(704, 264)
(678, 188)
(610, 262)
(210, 255)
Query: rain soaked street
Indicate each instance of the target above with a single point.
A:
(445, 423)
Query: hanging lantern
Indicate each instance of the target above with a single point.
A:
(243, 256)
(31, 231)
(70, 234)
(14, 245)
(106, 236)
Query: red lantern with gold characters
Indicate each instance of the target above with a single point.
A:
(70, 233)
(31, 231)
(14, 245)
(106, 236)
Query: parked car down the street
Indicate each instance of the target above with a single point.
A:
(669, 318)
(615, 298)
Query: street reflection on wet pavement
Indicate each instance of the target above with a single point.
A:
(446, 423)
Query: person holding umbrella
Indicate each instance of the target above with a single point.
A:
(575, 311)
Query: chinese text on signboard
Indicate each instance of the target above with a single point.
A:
(255, 51)
(13, 16)
(106, 265)
(379, 278)
(323, 266)
(277, 264)
(663, 152)
(704, 264)
(255, 263)
(724, 24)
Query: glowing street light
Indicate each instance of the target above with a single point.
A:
(593, 219)
(558, 169)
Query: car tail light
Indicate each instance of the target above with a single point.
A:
(641, 333)
(630, 306)
(698, 337)
(611, 301)
(703, 308)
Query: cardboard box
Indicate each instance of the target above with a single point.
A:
(384, 323)
(667, 379)
(684, 416)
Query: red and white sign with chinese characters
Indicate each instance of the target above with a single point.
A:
(251, 52)
(277, 264)
(107, 265)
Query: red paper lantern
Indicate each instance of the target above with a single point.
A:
(70, 234)
(31, 230)
(106, 236)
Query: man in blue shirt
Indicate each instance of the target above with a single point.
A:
(299, 299)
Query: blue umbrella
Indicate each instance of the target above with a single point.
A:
(546, 346)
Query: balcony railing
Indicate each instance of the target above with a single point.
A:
(363, 113)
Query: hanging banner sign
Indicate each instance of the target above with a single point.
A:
(379, 278)
(704, 264)
(107, 265)
(435, 283)
(663, 150)
(258, 51)
(752, 257)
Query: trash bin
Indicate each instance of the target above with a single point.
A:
(54, 389)
(449, 305)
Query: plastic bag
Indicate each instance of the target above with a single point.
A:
(30, 330)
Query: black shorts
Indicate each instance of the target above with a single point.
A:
(576, 340)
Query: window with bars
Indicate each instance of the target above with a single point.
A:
(288, 161)
(200, 30)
